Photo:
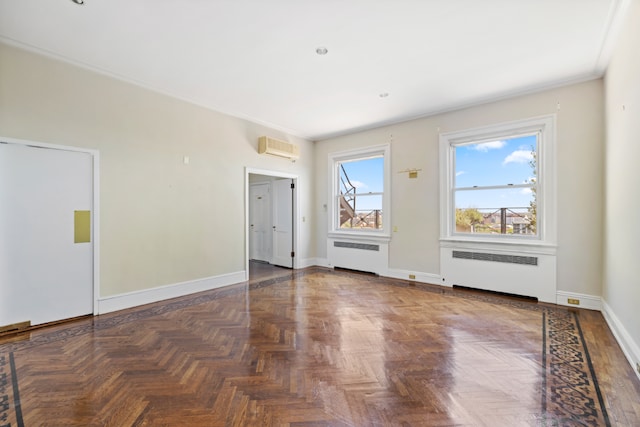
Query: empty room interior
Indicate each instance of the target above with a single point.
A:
(319, 213)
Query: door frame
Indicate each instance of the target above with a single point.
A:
(295, 214)
(95, 226)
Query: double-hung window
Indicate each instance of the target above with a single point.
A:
(360, 191)
(498, 182)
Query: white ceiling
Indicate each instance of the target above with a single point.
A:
(256, 59)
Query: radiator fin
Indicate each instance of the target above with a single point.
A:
(483, 256)
(352, 245)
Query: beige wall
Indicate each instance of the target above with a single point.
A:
(622, 233)
(415, 202)
(163, 222)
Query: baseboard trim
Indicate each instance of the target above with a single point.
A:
(630, 348)
(311, 262)
(161, 293)
(394, 273)
(433, 279)
(322, 262)
(590, 302)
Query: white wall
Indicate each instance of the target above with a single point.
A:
(163, 222)
(622, 232)
(415, 202)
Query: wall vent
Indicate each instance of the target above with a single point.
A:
(509, 259)
(362, 246)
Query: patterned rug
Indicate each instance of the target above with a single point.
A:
(571, 395)
(10, 411)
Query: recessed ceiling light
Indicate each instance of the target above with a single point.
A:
(78, 1)
(383, 95)
(321, 50)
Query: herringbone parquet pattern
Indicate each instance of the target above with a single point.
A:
(318, 348)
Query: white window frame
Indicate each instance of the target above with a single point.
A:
(335, 159)
(544, 126)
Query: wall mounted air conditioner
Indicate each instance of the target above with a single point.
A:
(279, 148)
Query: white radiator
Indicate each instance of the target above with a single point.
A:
(358, 254)
(526, 273)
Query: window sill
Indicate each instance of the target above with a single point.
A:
(363, 236)
(505, 245)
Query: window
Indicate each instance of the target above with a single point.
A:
(498, 182)
(359, 191)
(495, 189)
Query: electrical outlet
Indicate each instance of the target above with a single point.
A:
(412, 276)
(573, 301)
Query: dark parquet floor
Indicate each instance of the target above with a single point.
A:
(322, 348)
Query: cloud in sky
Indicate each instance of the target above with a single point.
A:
(359, 184)
(486, 146)
(460, 173)
(518, 156)
(526, 191)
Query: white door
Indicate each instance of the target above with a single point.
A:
(260, 222)
(283, 223)
(44, 275)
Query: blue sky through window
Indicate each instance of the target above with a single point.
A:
(494, 163)
(368, 177)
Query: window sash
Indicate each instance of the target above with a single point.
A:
(544, 186)
(382, 227)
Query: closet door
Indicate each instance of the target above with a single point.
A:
(46, 235)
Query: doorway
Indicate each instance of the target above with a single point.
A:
(47, 223)
(271, 218)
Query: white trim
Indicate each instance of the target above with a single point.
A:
(527, 247)
(546, 186)
(269, 172)
(630, 348)
(590, 302)
(47, 145)
(296, 212)
(334, 190)
(362, 237)
(96, 230)
(311, 262)
(95, 154)
(615, 19)
(161, 293)
(430, 278)
(322, 262)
